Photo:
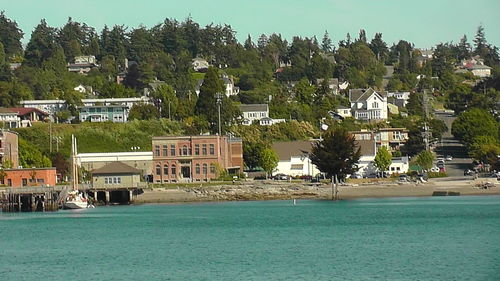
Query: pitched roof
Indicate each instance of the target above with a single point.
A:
(362, 95)
(116, 168)
(253, 107)
(26, 110)
(367, 147)
(287, 149)
(5, 110)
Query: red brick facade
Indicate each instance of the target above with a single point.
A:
(195, 158)
(29, 177)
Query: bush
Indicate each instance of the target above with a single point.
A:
(436, 175)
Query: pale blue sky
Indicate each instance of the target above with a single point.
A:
(424, 22)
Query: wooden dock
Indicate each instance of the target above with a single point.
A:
(30, 199)
(41, 199)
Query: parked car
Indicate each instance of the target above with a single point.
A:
(280, 177)
(448, 158)
(469, 172)
(403, 178)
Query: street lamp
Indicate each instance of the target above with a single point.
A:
(218, 97)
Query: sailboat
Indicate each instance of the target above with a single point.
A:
(75, 199)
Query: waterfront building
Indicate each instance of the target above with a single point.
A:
(391, 138)
(294, 158)
(9, 148)
(29, 177)
(195, 158)
(116, 175)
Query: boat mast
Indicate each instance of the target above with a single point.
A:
(74, 164)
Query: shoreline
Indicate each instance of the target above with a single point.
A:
(266, 190)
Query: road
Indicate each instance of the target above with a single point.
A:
(450, 146)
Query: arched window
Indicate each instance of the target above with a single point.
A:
(158, 169)
(165, 169)
(184, 150)
(174, 171)
(205, 169)
(212, 168)
(197, 168)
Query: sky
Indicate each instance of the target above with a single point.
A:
(424, 23)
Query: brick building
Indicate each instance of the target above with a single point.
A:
(195, 158)
(29, 177)
(9, 148)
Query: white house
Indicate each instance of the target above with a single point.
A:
(138, 159)
(9, 118)
(400, 98)
(199, 64)
(257, 112)
(399, 165)
(231, 90)
(53, 106)
(368, 104)
(480, 70)
(343, 111)
(294, 158)
(83, 64)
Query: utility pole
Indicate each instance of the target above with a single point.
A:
(425, 103)
(50, 136)
(218, 96)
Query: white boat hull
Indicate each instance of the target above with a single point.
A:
(75, 205)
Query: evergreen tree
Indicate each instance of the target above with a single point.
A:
(10, 36)
(379, 47)
(41, 44)
(326, 44)
(464, 48)
(480, 42)
(337, 154)
(249, 44)
(206, 105)
(362, 36)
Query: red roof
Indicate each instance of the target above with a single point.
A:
(26, 110)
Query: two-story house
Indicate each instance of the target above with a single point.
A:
(368, 104)
(257, 112)
(195, 158)
(104, 113)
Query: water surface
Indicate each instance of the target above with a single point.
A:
(436, 238)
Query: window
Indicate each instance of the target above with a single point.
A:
(184, 150)
(205, 169)
(197, 169)
(212, 168)
(212, 149)
(375, 104)
(204, 149)
(174, 171)
(157, 150)
(196, 149)
(172, 150)
(165, 169)
(165, 150)
(106, 181)
(158, 170)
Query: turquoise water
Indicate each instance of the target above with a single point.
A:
(437, 238)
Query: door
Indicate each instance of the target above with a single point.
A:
(186, 172)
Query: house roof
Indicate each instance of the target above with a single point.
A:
(287, 149)
(26, 110)
(343, 107)
(4, 110)
(362, 95)
(253, 107)
(116, 168)
(367, 147)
